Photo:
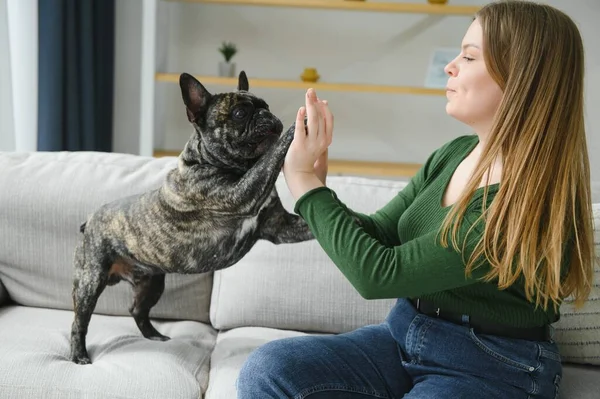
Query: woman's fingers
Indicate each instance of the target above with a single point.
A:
(300, 131)
(328, 122)
(313, 113)
(325, 137)
(319, 124)
(321, 119)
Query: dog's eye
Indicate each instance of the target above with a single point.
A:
(240, 113)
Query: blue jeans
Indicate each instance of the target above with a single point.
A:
(410, 355)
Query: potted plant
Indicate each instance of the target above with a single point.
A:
(227, 68)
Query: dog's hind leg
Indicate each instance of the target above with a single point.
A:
(91, 276)
(147, 290)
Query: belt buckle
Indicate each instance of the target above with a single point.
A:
(437, 312)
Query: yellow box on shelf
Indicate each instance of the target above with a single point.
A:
(349, 5)
(319, 86)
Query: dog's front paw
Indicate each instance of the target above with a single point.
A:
(81, 359)
(78, 353)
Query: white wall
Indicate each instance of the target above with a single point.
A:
(356, 47)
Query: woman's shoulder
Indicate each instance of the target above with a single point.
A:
(444, 155)
(459, 144)
(457, 147)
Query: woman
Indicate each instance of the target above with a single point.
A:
(480, 247)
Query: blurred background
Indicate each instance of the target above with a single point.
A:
(101, 75)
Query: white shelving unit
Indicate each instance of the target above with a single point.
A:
(150, 77)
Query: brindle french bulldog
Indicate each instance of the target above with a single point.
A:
(206, 216)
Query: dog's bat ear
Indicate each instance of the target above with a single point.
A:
(195, 96)
(243, 82)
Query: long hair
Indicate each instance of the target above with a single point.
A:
(541, 216)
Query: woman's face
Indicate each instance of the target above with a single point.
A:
(473, 96)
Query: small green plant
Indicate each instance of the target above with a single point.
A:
(228, 50)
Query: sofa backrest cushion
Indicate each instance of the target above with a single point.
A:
(44, 197)
(296, 286)
(578, 330)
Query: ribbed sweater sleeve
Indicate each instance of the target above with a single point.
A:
(382, 225)
(417, 267)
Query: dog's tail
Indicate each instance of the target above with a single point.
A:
(82, 228)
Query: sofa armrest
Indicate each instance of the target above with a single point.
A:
(3, 294)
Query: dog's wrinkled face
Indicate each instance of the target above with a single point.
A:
(232, 129)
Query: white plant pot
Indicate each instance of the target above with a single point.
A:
(227, 69)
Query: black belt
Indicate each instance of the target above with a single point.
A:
(483, 327)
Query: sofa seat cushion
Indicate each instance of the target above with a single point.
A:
(231, 350)
(35, 347)
(234, 346)
(580, 382)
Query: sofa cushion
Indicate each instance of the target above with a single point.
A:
(296, 286)
(231, 350)
(578, 330)
(234, 346)
(35, 347)
(47, 197)
(579, 382)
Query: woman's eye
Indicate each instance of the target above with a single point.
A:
(468, 59)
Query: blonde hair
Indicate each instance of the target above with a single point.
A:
(541, 216)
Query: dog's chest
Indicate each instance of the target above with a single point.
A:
(222, 242)
(248, 226)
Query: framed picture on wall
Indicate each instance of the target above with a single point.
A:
(436, 77)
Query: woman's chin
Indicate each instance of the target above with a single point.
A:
(450, 110)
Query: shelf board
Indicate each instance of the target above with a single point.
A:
(379, 169)
(352, 5)
(347, 167)
(291, 84)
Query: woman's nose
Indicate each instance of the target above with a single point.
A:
(450, 69)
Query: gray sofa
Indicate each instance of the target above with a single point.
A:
(214, 320)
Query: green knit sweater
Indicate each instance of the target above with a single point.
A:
(393, 253)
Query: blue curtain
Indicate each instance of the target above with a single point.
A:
(76, 70)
